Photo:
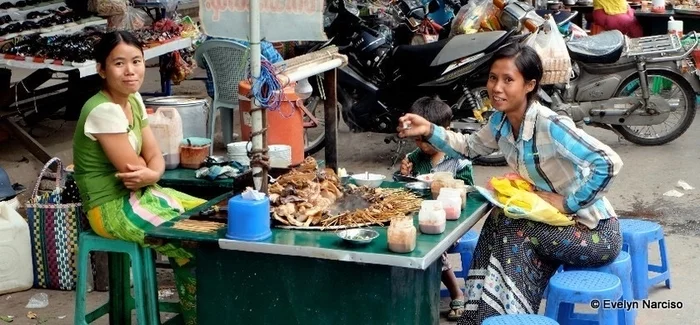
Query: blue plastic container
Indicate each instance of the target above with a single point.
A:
(248, 220)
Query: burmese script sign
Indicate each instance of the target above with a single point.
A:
(280, 20)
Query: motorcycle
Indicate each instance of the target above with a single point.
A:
(381, 81)
(629, 86)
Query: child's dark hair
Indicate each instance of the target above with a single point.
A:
(434, 110)
(110, 40)
(528, 63)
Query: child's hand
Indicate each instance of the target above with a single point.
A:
(406, 167)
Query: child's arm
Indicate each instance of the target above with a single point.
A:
(465, 173)
(408, 163)
(413, 156)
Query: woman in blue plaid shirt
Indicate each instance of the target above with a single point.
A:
(571, 170)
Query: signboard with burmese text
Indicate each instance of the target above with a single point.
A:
(280, 20)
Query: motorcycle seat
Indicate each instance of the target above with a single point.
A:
(448, 50)
(417, 56)
(465, 45)
(603, 48)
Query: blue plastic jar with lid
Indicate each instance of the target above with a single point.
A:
(248, 220)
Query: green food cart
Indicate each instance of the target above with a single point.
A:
(314, 277)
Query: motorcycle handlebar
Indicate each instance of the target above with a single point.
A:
(531, 25)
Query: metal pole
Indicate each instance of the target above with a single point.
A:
(331, 115)
(256, 114)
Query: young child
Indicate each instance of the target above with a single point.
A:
(425, 160)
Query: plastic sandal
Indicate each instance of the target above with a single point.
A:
(456, 309)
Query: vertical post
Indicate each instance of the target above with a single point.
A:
(256, 114)
(331, 119)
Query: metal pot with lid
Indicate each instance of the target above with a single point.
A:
(193, 111)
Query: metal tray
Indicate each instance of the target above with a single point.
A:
(686, 11)
(276, 224)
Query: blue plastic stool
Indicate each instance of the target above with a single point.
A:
(546, 289)
(622, 267)
(520, 319)
(465, 248)
(636, 236)
(571, 287)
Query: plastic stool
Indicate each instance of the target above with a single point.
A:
(622, 267)
(152, 302)
(120, 301)
(572, 287)
(519, 319)
(546, 289)
(636, 236)
(465, 248)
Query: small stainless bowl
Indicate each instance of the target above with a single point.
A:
(420, 188)
(358, 236)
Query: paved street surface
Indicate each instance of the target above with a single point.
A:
(638, 192)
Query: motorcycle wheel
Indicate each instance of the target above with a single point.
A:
(497, 158)
(494, 159)
(679, 86)
(315, 138)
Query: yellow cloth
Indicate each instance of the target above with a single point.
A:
(522, 203)
(611, 7)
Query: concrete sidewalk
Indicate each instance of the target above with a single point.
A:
(684, 265)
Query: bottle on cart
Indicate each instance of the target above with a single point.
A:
(167, 129)
(451, 202)
(402, 235)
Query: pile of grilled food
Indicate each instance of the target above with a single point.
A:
(307, 197)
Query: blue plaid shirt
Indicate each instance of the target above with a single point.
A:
(267, 50)
(551, 153)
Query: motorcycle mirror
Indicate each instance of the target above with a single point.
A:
(455, 4)
(544, 97)
(351, 7)
(433, 6)
(334, 6)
